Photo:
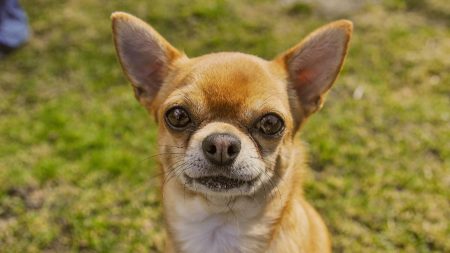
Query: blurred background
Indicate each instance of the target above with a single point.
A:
(77, 166)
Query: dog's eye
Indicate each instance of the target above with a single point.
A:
(270, 124)
(177, 117)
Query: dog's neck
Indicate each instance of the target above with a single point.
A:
(199, 223)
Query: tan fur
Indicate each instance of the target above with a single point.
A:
(227, 92)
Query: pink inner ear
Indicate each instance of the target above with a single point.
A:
(152, 76)
(143, 58)
(143, 53)
(153, 67)
(305, 76)
(314, 68)
(314, 64)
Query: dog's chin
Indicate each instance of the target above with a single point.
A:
(221, 185)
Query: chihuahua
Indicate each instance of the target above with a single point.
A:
(232, 167)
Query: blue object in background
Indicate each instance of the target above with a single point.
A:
(13, 24)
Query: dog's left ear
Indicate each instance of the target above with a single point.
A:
(313, 64)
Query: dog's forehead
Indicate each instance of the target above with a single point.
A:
(229, 82)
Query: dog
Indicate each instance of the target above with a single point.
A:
(231, 163)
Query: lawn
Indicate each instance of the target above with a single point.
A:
(77, 171)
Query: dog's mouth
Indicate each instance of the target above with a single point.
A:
(220, 183)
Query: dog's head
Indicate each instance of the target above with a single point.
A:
(226, 120)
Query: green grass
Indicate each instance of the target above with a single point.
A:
(76, 166)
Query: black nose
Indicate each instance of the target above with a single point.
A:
(221, 149)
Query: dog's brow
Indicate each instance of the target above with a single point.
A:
(186, 97)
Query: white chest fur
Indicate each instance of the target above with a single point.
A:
(214, 233)
(198, 226)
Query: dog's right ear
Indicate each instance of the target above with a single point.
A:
(144, 54)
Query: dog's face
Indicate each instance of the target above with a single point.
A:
(223, 122)
(227, 120)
